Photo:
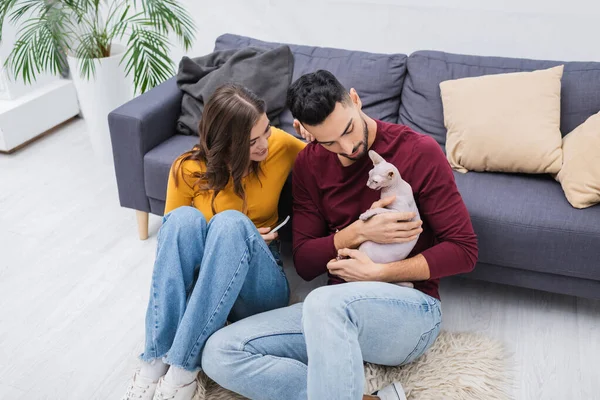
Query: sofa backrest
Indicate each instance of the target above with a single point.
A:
(421, 105)
(378, 78)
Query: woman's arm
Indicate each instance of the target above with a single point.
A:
(291, 144)
(180, 194)
(295, 145)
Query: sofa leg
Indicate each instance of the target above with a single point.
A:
(142, 221)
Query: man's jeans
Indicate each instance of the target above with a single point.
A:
(205, 274)
(267, 356)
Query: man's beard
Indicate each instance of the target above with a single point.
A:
(363, 145)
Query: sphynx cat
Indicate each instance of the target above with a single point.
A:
(385, 177)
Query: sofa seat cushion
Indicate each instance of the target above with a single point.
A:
(524, 221)
(158, 161)
(421, 106)
(377, 78)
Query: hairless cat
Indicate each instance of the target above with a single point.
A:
(385, 177)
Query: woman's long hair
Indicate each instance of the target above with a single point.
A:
(224, 148)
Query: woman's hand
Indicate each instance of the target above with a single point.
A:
(267, 237)
(303, 132)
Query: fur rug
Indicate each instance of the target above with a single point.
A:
(458, 366)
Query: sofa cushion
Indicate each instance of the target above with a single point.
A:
(481, 137)
(524, 221)
(377, 78)
(158, 161)
(579, 175)
(421, 105)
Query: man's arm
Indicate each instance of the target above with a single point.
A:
(441, 205)
(313, 245)
(409, 270)
(350, 237)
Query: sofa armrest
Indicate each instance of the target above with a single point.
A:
(136, 128)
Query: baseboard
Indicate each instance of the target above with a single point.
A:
(38, 137)
(33, 115)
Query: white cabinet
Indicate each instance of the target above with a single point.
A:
(28, 111)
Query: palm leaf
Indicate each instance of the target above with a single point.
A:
(148, 59)
(40, 47)
(53, 27)
(5, 7)
(26, 6)
(165, 14)
(87, 52)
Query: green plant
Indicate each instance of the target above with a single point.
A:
(51, 29)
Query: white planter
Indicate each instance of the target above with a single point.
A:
(101, 94)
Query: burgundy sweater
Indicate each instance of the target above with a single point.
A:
(328, 196)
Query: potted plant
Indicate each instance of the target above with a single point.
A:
(113, 49)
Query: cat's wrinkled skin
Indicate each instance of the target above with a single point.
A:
(385, 177)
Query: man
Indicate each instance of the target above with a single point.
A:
(316, 349)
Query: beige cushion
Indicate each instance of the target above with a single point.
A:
(505, 122)
(580, 172)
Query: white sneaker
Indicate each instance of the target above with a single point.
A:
(393, 391)
(167, 391)
(140, 388)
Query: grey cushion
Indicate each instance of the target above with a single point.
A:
(421, 106)
(158, 161)
(377, 78)
(157, 206)
(525, 222)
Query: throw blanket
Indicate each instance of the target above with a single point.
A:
(268, 73)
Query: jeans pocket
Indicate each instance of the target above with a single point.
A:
(425, 341)
(275, 248)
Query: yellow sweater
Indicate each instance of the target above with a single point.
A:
(261, 201)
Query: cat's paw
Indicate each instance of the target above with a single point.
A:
(366, 215)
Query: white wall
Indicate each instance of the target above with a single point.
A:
(543, 29)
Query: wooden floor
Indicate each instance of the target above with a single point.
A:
(74, 281)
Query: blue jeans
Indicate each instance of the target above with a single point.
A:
(267, 356)
(204, 275)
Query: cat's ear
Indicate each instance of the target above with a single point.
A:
(390, 174)
(376, 158)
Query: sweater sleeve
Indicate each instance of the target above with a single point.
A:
(292, 144)
(442, 207)
(180, 194)
(313, 246)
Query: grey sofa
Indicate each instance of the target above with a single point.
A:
(528, 233)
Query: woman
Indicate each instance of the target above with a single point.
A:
(216, 260)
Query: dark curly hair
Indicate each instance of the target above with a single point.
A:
(312, 97)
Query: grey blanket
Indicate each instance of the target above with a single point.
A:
(268, 73)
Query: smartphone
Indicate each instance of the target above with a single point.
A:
(280, 225)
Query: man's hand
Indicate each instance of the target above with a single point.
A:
(391, 227)
(358, 267)
(268, 237)
(383, 203)
(302, 132)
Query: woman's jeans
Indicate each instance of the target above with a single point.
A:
(204, 275)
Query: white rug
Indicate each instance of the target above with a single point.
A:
(458, 366)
